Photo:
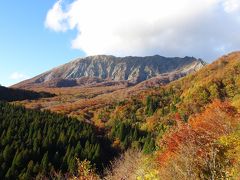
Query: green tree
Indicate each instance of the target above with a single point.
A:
(19, 160)
(214, 92)
(7, 153)
(44, 162)
(149, 145)
(72, 166)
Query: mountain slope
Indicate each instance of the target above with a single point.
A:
(194, 120)
(38, 143)
(188, 95)
(110, 68)
(10, 94)
(160, 109)
(185, 122)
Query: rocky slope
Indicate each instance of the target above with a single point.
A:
(101, 68)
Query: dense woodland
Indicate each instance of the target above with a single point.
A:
(125, 136)
(35, 142)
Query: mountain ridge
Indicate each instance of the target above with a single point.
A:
(99, 68)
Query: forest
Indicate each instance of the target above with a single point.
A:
(36, 143)
(39, 143)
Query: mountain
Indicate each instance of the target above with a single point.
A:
(185, 129)
(194, 121)
(102, 68)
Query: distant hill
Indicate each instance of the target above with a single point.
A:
(10, 94)
(97, 69)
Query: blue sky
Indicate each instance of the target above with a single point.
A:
(37, 35)
(27, 48)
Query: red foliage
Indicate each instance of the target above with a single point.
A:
(178, 119)
(218, 119)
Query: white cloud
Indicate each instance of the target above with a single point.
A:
(231, 6)
(18, 76)
(201, 28)
(56, 19)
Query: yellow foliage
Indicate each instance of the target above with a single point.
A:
(151, 122)
(85, 171)
(147, 170)
(231, 144)
(116, 143)
(236, 102)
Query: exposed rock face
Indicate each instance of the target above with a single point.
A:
(111, 68)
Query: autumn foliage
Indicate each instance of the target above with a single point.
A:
(193, 143)
(192, 123)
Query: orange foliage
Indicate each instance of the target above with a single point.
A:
(218, 119)
(178, 120)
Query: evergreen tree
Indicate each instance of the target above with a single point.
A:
(34, 142)
(19, 160)
(44, 162)
(121, 134)
(7, 153)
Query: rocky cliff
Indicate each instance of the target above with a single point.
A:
(95, 69)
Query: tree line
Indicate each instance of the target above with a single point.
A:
(10, 94)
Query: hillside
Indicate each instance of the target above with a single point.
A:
(39, 143)
(193, 116)
(10, 94)
(186, 96)
(80, 93)
(97, 69)
(187, 129)
(193, 125)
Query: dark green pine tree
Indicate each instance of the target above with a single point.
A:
(11, 173)
(135, 135)
(145, 146)
(96, 153)
(149, 145)
(78, 148)
(30, 168)
(125, 142)
(121, 133)
(19, 160)
(72, 166)
(149, 108)
(44, 162)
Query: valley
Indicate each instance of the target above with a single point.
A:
(120, 90)
(154, 123)
(91, 92)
